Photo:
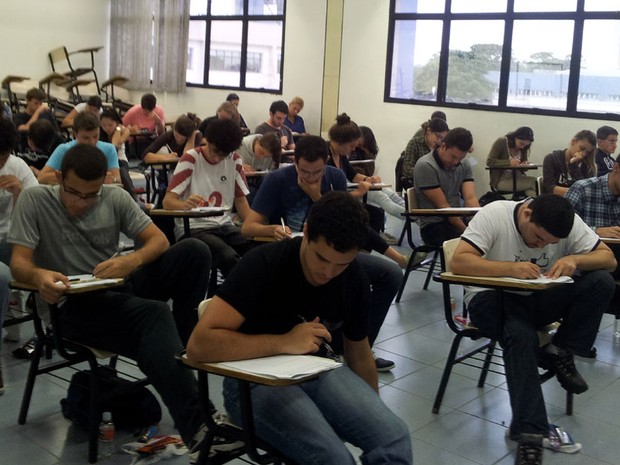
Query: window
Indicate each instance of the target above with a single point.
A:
(236, 44)
(558, 57)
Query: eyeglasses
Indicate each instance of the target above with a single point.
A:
(310, 174)
(611, 141)
(79, 195)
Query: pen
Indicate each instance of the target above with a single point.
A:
(328, 349)
(118, 252)
(283, 226)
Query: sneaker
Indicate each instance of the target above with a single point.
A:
(383, 365)
(563, 365)
(220, 447)
(388, 238)
(25, 351)
(530, 449)
(560, 441)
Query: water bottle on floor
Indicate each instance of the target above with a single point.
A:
(107, 432)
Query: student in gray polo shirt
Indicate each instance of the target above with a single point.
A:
(441, 178)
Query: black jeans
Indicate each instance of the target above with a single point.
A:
(579, 305)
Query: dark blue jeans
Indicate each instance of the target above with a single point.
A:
(580, 306)
(136, 322)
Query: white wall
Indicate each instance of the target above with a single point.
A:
(29, 29)
(361, 96)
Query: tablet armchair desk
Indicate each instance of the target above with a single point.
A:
(500, 285)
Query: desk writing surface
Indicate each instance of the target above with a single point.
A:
(611, 240)
(220, 369)
(527, 166)
(198, 212)
(377, 186)
(496, 282)
(77, 288)
(457, 211)
(256, 174)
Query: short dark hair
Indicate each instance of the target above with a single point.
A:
(278, 105)
(604, 132)
(42, 133)
(185, 125)
(341, 219)
(85, 121)
(553, 213)
(35, 93)
(148, 102)
(8, 136)
(86, 161)
(345, 130)
(225, 134)
(232, 96)
(112, 114)
(435, 125)
(94, 101)
(460, 138)
(439, 114)
(311, 149)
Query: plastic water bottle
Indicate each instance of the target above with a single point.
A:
(107, 432)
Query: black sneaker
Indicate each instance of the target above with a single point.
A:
(383, 365)
(530, 450)
(25, 351)
(221, 446)
(563, 365)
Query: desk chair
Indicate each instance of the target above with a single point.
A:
(246, 434)
(60, 59)
(72, 353)
(16, 88)
(412, 202)
(483, 357)
(117, 95)
(539, 181)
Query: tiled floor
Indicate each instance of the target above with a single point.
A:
(469, 429)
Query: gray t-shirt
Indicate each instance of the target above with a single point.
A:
(429, 173)
(246, 150)
(73, 245)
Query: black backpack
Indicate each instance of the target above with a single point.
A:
(131, 405)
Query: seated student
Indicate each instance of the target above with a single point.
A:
(441, 178)
(277, 114)
(133, 320)
(524, 240)
(436, 114)
(113, 131)
(93, 104)
(234, 99)
(146, 116)
(386, 198)
(293, 121)
(42, 141)
(251, 317)
(512, 150)
(36, 109)
(225, 111)
(183, 137)
(287, 194)
(433, 132)
(343, 138)
(213, 176)
(15, 176)
(86, 131)
(259, 153)
(561, 168)
(607, 140)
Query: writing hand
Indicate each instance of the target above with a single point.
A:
(117, 267)
(525, 270)
(306, 338)
(279, 234)
(194, 201)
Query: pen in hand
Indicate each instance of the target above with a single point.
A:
(328, 349)
(283, 225)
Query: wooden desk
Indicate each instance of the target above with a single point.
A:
(611, 240)
(186, 215)
(374, 187)
(514, 170)
(499, 283)
(256, 174)
(457, 211)
(70, 291)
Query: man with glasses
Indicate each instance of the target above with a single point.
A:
(212, 176)
(73, 228)
(607, 140)
(86, 131)
(282, 204)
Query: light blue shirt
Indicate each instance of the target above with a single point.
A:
(55, 160)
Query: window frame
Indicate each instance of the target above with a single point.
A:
(579, 16)
(245, 20)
